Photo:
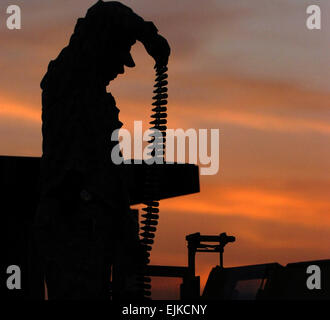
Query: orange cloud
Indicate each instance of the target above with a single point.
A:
(272, 122)
(17, 110)
(257, 203)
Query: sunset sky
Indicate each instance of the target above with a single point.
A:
(249, 68)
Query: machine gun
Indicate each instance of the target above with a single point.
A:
(19, 191)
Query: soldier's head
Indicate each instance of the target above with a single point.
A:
(100, 39)
(116, 62)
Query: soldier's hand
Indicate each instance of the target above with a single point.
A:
(159, 49)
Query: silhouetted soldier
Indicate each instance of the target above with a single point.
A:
(84, 208)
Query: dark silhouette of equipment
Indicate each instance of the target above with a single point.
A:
(258, 282)
(200, 243)
(270, 281)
